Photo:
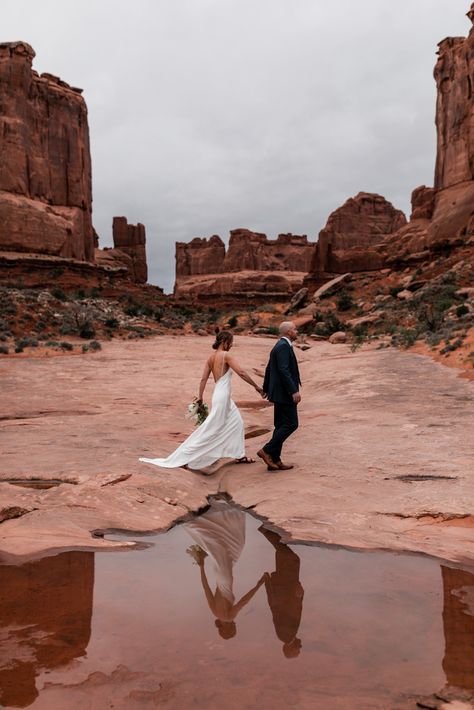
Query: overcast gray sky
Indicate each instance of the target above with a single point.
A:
(207, 115)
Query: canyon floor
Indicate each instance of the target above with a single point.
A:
(383, 456)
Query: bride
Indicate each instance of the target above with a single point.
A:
(221, 435)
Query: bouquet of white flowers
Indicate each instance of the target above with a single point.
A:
(197, 411)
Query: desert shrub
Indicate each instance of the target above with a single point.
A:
(59, 294)
(132, 310)
(462, 310)
(450, 347)
(95, 345)
(40, 326)
(3, 350)
(85, 348)
(233, 321)
(405, 337)
(80, 293)
(395, 290)
(18, 349)
(111, 322)
(360, 331)
(65, 345)
(330, 324)
(344, 302)
(52, 344)
(273, 330)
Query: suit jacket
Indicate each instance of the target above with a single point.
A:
(282, 377)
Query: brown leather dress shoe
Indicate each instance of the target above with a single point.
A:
(284, 466)
(271, 465)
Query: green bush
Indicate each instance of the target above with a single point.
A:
(462, 310)
(345, 302)
(59, 294)
(65, 345)
(233, 321)
(112, 322)
(95, 345)
(3, 350)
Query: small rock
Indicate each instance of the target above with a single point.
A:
(338, 337)
(363, 320)
(202, 332)
(171, 501)
(405, 295)
(303, 346)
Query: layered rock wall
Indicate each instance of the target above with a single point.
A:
(351, 239)
(45, 170)
(251, 265)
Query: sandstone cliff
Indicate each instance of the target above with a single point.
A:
(45, 171)
(253, 265)
(351, 239)
(443, 216)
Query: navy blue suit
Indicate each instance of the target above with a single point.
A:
(282, 380)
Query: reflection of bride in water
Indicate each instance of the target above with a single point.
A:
(220, 533)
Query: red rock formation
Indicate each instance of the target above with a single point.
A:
(254, 251)
(130, 239)
(204, 269)
(351, 239)
(45, 171)
(449, 206)
(200, 256)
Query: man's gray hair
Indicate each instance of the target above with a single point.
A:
(286, 326)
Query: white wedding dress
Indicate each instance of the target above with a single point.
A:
(220, 436)
(221, 533)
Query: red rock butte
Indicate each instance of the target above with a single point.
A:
(45, 172)
(252, 266)
(351, 239)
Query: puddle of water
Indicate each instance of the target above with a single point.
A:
(37, 483)
(218, 613)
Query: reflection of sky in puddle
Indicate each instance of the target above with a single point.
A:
(219, 613)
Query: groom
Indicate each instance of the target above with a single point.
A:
(281, 386)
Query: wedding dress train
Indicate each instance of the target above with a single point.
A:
(220, 436)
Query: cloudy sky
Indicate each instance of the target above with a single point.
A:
(207, 115)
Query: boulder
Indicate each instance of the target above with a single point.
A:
(297, 301)
(331, 286)
(338, 337)
(366, 320)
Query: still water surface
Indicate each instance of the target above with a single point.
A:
(218, 613)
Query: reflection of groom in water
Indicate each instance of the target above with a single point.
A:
(285, 594)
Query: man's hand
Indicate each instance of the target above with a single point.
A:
(296, 397)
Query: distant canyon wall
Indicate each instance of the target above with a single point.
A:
(252, 264)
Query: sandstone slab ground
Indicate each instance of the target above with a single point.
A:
(383, 457)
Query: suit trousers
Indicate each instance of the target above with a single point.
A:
(285, 422)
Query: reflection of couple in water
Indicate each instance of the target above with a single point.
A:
(220, 533)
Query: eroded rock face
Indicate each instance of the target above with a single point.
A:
(443, 216)
(45, 171)
(130, 239)
(350, 240)
(253, 264)
(200, 256)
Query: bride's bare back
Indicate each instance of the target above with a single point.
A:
(218, 365)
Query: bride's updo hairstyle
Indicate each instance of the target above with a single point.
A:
(224, 337)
